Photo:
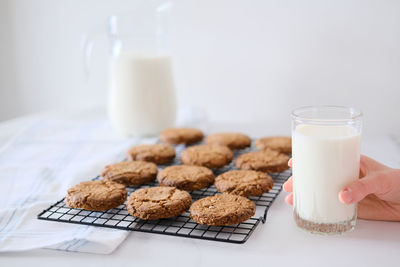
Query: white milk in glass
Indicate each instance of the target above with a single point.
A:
(142, 94)
(325, 159)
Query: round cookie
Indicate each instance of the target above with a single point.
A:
(280, 143)
(210, 156)
(130, 172)
(186, 177)
(222, 209)
(185, 136)
(158, 202)
(244, 183)
(266, 161)
(231, 140)
(96, 195)
(157, 153)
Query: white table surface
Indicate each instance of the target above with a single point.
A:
(278, 242)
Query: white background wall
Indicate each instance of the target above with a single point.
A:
(241, 61)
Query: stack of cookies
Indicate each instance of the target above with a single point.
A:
(171, 198)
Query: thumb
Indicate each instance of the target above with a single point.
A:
(357, 190)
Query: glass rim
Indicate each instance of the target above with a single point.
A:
(354, 113)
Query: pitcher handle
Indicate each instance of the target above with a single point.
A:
(88, 41)
(87, 48)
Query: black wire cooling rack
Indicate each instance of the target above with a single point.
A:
(119, 218)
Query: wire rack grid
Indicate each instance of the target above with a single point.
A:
(183, 225)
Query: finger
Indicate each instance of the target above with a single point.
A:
(290, 162)
(288, 185)
(289, 199)
(368, 165)
(376, 183)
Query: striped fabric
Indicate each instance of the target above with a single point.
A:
(39, 164)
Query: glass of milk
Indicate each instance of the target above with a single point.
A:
(326, 157)
(141, 100)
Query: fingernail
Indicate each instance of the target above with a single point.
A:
(346, 197)
(284, 187)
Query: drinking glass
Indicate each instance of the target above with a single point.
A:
(326, 157)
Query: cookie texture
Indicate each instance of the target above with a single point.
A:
(96, 195)
(244, 183)
(186, 177)
(185, 136)
(157, 153)
(282, 144)
(158, 202)
(266, 161)
(210, 156)
(231, 140)
(131, 172)
(222, 209)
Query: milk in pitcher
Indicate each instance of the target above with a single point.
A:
(142, 94)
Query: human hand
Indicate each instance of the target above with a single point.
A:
(377, 192)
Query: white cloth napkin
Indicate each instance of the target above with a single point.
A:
(39, 164)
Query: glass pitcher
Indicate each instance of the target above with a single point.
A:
(141, 99)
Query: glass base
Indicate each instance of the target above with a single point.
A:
(324, 228)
